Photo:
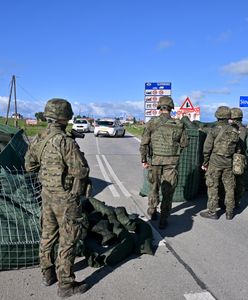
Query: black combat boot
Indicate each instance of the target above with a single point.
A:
(69, 290)
(152, 212)
(162, 223)
(209, 215)
(49, 276)
(229, 216)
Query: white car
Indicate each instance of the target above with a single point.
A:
(81, 125)
(110, 127)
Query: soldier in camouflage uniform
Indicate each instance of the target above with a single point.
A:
(62, 170)
(221, 143)
(236, 118)
(163, 140)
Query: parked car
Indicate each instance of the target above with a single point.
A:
(81, 125)
(109, 127)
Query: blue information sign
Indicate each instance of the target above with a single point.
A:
(243, 101)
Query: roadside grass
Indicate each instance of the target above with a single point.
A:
(30, 130)
(135, 129)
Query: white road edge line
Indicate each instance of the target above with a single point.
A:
(111, 171)
(106, 177)
(199, 296)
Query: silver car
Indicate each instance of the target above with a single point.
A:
(109, 127)
(81, 125)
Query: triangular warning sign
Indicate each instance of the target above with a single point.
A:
(187, 105)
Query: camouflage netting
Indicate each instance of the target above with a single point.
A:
(112, 235)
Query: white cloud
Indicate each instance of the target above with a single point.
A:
(222, 91)
(165, 44)
(109, 109)
(224, 36)
(197, 94)
(25, 108)
(239, 67)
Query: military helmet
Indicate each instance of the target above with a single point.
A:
(58, 109)
(165, 101)
(223, 112)
(236, 113)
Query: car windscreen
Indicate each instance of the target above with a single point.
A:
(105, 123)
(80, 122)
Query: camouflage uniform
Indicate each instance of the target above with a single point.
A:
(165, 138)
(62, 168)
(236, 117)
(218, 153)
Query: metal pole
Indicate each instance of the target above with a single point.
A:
(7, 116)
(15, 122)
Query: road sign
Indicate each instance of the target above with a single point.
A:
(153, 91)
(243, 101)
(187, 109)
(187, 105)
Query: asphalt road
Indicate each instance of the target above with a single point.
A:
(195, 258)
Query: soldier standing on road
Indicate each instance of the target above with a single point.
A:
(62, 169)
(221, 143)
(163, 140)
(236, 118)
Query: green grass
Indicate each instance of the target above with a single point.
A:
(135, 129)
(30, 130)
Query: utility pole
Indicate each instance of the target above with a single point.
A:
(13, 85)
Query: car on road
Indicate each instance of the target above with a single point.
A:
(81, 125)
(109, 127)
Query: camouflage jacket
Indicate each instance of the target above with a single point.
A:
(146, 143)
(60, 164)
(243, 135)
(229, 140)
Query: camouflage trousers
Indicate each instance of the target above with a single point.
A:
(164, 177)
(214, 176)
(61, 223)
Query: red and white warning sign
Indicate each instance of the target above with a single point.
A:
(187, 109)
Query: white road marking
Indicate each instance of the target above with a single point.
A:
(106, 177)
(97, 146)
(137, 139)
(111, 171)
(199, 296)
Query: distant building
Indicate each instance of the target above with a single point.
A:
(130, 120)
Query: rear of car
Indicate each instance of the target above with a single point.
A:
(81, 125)
(109, 128)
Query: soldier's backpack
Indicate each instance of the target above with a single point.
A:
(226, 141)
(239, 164)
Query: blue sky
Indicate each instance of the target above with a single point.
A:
(99, 54)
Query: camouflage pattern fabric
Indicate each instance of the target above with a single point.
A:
(213, 177)
(62, 169)
(166, 177)
(163, 172)
(240, 186)
(220, 145)
(62, 222)
(146, 142)
(220, 153)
